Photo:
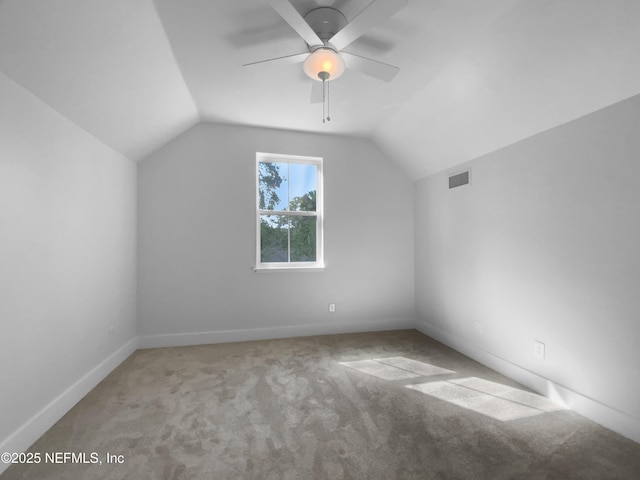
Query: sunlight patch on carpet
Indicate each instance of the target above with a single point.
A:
(396, 368)
(488, 398)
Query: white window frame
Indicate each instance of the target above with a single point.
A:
(318, 265)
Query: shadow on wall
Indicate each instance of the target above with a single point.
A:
(476, 394)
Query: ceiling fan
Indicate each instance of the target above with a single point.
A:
(327, 32)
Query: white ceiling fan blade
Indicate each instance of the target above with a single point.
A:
(373, 68)
(287, 59)
(373, 14)
(295, 20)
(316, 91)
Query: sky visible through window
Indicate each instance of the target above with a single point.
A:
(297, 179)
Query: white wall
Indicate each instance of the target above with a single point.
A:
(544, 245)
(197, 241)
(67, 264)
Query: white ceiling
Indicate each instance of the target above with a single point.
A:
(475, 75)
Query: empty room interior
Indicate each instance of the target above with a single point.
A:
(319, 239)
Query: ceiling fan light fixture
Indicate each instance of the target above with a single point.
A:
(324, 60)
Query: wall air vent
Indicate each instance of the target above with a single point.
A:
(459, 179)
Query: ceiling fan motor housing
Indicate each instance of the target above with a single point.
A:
(326, 22)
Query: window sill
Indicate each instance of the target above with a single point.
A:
(288, 269)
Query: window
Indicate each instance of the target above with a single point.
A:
(288, 212)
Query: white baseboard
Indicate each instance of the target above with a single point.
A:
(36, 426)
(590, 408)
(226, 336)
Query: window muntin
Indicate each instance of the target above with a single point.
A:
(289, 212)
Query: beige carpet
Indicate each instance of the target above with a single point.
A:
(393, 405)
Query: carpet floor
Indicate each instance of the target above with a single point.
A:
(392, 405)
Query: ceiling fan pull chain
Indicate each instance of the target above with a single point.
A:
(324, 100)
(328, 97)
(325, 77)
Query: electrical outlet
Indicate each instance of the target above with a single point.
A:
(332, 308)
(538, 349)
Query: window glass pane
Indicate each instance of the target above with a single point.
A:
(303, 239)
(274, 241)
(273, 185)
(288, 193)
(302, 187)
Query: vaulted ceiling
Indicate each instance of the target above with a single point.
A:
(475, 75)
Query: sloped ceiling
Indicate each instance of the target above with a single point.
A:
(475, 75)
